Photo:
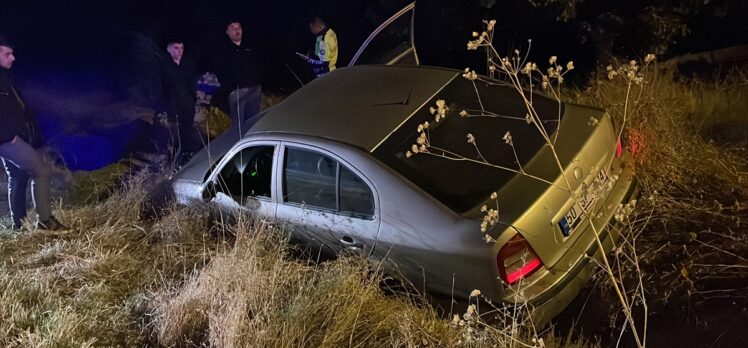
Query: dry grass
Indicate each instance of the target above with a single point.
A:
(285, 303)
(255, 295)
(85, 286)
(94, 186)
(691, 228)
(183, 279)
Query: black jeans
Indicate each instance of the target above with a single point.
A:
(21, 162)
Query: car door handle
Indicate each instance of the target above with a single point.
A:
(349, 243)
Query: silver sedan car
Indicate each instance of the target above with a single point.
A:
(330, 163)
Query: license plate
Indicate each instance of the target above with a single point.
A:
(576, 214)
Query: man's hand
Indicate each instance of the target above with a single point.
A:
(16, 140)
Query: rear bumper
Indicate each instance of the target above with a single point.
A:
(556, 288)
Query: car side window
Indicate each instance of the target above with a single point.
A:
(249, 173)
(309, 179)
(315, 180)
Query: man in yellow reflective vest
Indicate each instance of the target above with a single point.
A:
(325, 48)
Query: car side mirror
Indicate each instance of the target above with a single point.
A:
(210, 190)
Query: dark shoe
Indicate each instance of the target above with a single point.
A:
(51, 225)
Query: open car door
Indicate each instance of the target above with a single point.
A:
(392, 43)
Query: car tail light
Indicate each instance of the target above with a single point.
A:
(517, 260)
(619, 148)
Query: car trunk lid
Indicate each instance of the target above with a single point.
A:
(538, 203)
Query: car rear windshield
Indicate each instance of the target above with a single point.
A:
(458, 182)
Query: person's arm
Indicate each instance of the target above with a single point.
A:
(331, 49)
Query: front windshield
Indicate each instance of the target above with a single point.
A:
(461, 184)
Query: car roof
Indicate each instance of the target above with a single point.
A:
(359, 105)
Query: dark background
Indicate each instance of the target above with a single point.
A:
(80, 63)
(86, 36)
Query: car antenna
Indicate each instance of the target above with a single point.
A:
(294, 75)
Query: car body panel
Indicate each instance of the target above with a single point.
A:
(426, 242)
(535, 207)
(550, 290)
(359, 106)
(327, 232)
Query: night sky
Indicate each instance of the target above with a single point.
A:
(87, 35)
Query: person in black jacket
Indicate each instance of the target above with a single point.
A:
(19, 138)
(179, 88)
(239, 70)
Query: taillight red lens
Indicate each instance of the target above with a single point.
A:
(517, 260)
(619, 148)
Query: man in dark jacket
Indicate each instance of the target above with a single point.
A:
(239, 70)
(179, 86)
(19, 136)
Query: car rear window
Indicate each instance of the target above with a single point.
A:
(462, 184)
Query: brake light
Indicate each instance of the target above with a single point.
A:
(517, 260)
(619, 148)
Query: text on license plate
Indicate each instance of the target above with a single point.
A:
(575, 215)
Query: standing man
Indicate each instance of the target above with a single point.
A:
(19, 138)
(179, 88)
(325, 48)
(239, 70)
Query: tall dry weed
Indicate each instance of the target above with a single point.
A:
(256, 295)
(691, 225)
